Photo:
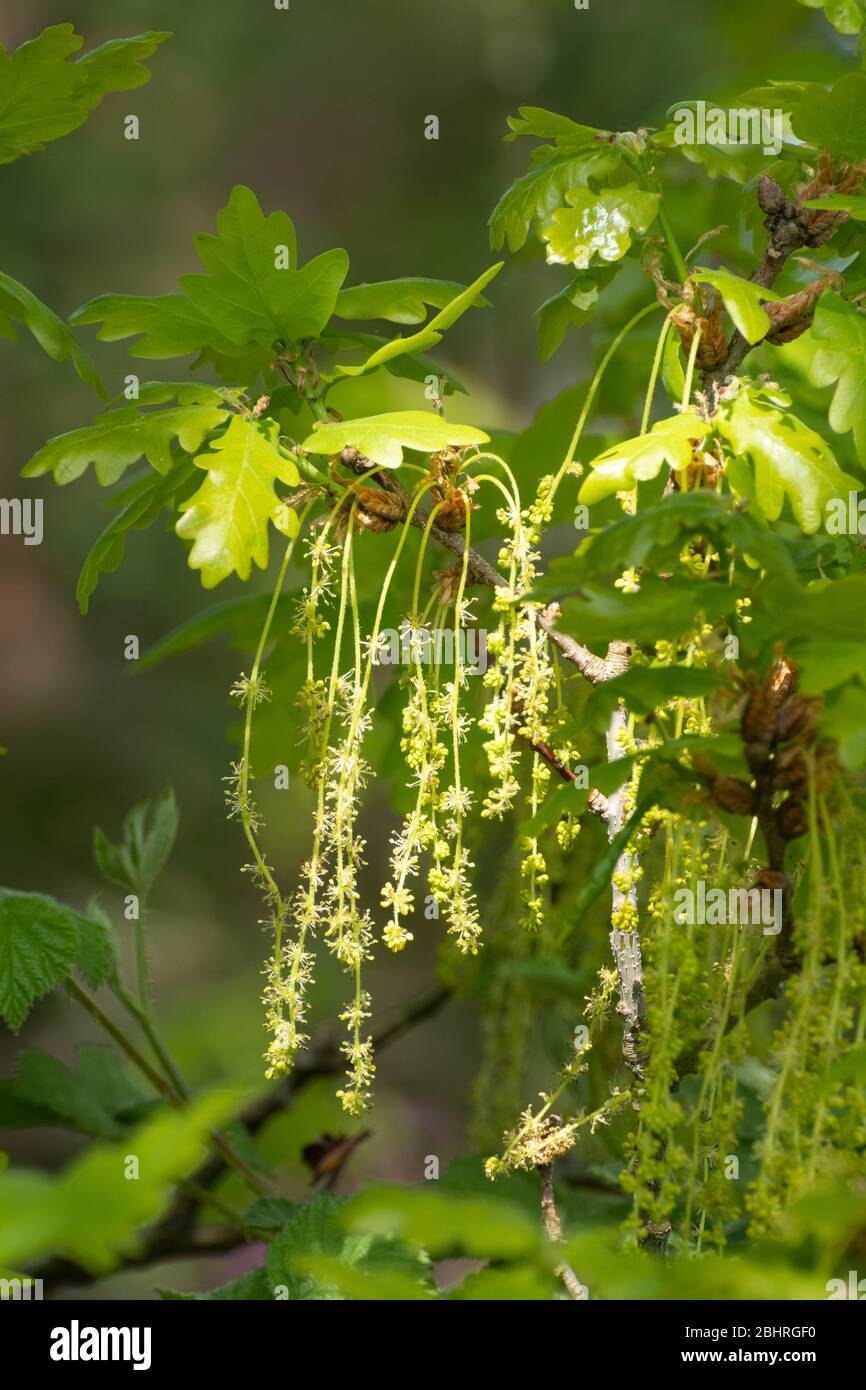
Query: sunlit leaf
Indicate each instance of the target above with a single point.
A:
(790, 460)
(382, 438)
(227, 518)
(636, 460)
(121, 437)
(742, 299)
(598, 224)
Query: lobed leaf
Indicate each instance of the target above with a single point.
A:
(839, 329)
(399, 301)
(534, 197)
(742, 299)
(382, 438)
(227, 518)
(121, 437)
(790, 461)
(598, 224)
(44, 96)
(623, 466)
(20, 305)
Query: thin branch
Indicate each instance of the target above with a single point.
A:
(175, 1234)
(553, 1230)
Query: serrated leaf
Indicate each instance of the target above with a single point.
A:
(269, 1213)
(835, 119)
(97, 952)
(92, 1211)
(598, 224)
(742, 299)
(316, 1231)
(148, 837)
(444, 1224)
(839, 329)
(20, 305)
(790, 461)
(399, 301)
(43, 1080)
(38, 947)
(44, 96)
(249, 295)
(227, 518)
(535, 196)
(382, 438)
(121, 437)
(249, 1287)
(623, 466)
(107, 552)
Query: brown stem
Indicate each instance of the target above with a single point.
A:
(553, 1230)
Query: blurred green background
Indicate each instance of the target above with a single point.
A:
(321, 110)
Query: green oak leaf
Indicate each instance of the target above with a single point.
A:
(548, 125)
(726, 160)
(790, 461)
(824, 664)
(120, 437)
(623, 466)
(784, 95)
(398, 301)
(741, 298)
(841, 202)
(254, 291)
(846, 16)
(537, 194)
(846, 723)
(835, 119)
(839, 329)
(410, 366)
(20, 305)
(39, 943)
(227, 518)
(382, 438)
(427, 337)
(570, 308)
(44, 96)
(106, 553)
(117, 66)
(598, 224)
(167, 325)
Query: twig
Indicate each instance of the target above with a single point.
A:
(175, 1234)
(553, 1230)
